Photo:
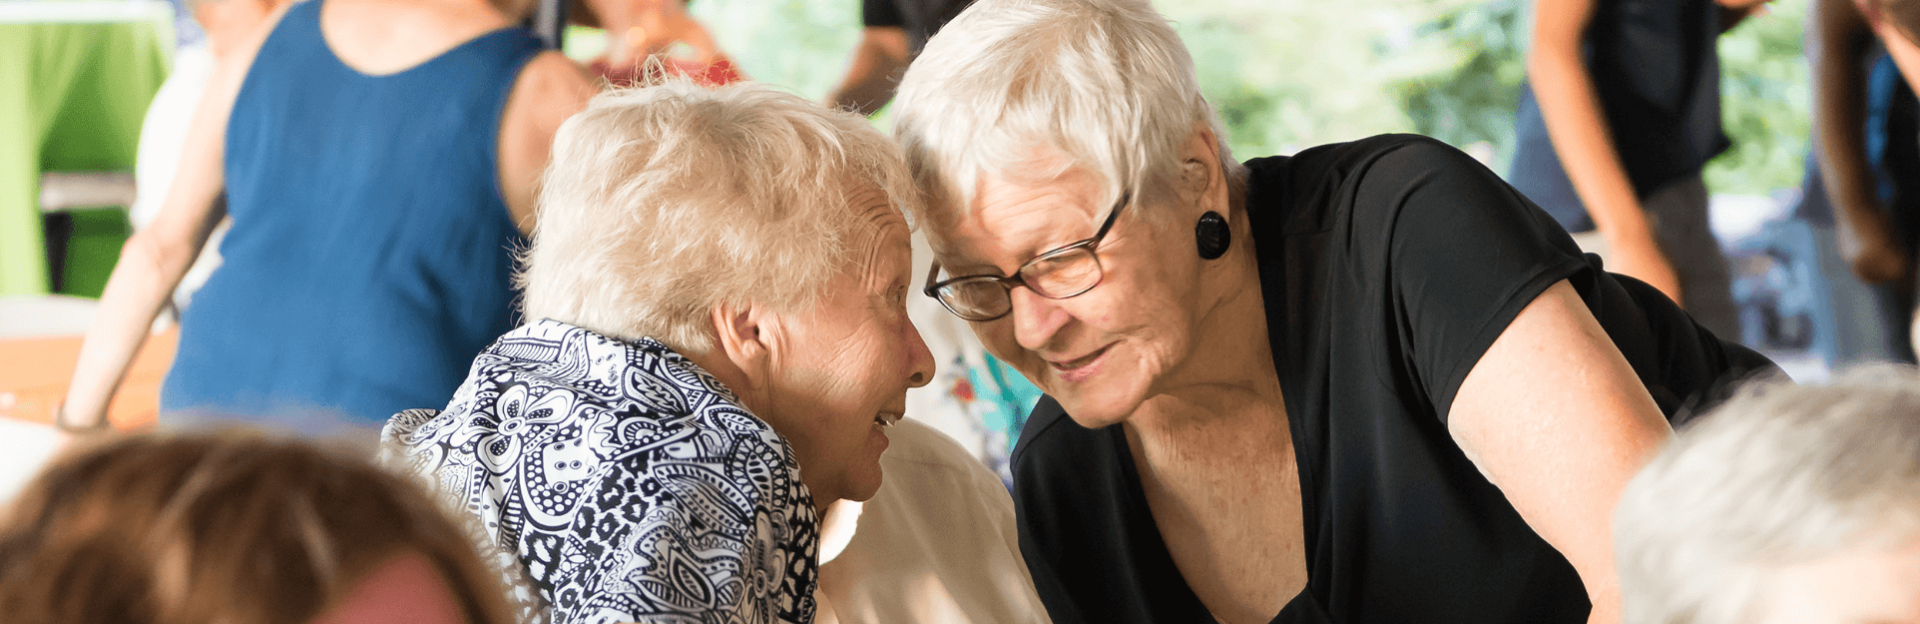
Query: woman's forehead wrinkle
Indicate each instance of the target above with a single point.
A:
(1017, 214)
(970, 249)
(886, 229)
(1034, 219)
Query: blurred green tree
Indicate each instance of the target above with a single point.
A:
(803, 45)
(1471, 100)
(1766, 96)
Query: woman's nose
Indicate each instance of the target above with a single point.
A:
(1035, 318)
(919, 359)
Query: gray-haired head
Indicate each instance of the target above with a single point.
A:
(1779, 476)
(1106, 83)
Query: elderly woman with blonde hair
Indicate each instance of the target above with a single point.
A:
(1788, 504)
(1368, 382)
(719, 344)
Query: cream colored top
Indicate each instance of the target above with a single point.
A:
(935, 545)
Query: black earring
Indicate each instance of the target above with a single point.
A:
(1213, 235)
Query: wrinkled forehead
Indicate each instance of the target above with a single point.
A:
(882, 229)
(879, 216)
(1020, 213)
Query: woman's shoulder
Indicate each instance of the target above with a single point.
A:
(1336, 164)
(1316, 185)
(548, 380)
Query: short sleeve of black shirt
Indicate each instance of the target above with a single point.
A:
(919, 18)
(875, 13)
(1388, 266)
(1463, 255)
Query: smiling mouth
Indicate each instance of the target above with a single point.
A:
(1075, 364)
(887, 419)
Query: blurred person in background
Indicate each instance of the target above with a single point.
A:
(1897, 22)
(234, 528)
(1786, 505)
(1880, 216)
(639, 30)
(1864, 171)
(1622, 114)
(892, 33)
(378, 159)
(227, 25)
(718, 345)
(1369, 382)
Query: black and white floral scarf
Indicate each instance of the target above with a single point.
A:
(618, 482)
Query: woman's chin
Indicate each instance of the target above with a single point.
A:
(1101, 421)
(1097, 405)
(865, 490)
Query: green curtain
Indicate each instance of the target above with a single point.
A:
(72, 96)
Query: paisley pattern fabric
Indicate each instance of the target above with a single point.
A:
(618, 482)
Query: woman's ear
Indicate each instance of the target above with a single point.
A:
(1193, 177)
(1200, 172)
(741, 337)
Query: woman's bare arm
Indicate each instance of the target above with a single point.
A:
(549, 90)
(1554, 416)
(1837, 40)
(874, 72)
(155, 258)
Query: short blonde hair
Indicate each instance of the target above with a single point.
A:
(663, 202)
(1778, 475)
(1107, 83)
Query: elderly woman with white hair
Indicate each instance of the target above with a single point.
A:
(1366, 383)
(1787, 505)
(720, 343)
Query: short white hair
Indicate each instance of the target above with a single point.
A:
(661, 203)
(1778, 475)
(1106, 83)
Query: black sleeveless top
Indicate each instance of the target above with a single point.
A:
(1388, 266)
(1656, 71)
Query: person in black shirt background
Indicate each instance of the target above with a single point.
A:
(1865, 140)
(1621, 114)
(1367, 383)
(893, 33)
(1863, 173)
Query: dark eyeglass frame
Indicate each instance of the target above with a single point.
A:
(1009, 282)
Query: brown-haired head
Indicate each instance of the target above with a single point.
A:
(230, 527)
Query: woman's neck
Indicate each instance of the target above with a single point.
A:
(384, 37)
(1230, 381)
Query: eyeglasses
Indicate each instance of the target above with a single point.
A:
(1064, 272)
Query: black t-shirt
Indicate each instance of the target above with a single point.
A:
(1388, 266)
(1656, 71)
(920, 18)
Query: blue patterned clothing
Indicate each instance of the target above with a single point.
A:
(626, 483)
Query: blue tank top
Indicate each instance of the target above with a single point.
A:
(370, 257)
